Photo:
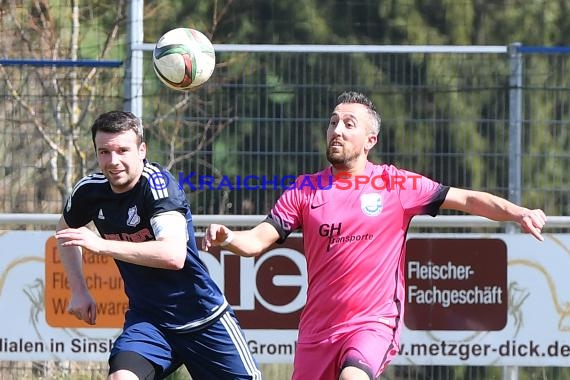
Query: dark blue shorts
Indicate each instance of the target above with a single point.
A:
(218, 351)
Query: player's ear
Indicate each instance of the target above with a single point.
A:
(371, 140)
(142, 150)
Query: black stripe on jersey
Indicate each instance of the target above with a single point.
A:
(153, 174)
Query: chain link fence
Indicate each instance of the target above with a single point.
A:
(264, 114)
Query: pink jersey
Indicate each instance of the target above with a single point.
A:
(354, 233)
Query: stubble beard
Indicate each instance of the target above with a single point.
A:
(341, 160)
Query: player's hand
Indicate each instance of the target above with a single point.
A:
(215, 235)
(83, 307)
(80, 237)
(532, 222)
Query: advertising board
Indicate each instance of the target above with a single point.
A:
(472, 299)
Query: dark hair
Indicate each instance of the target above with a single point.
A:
(116, 122)
(357, 97)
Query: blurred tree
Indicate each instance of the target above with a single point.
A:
(49, 104)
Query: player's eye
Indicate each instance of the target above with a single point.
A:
(349, 123)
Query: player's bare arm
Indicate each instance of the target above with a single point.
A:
(247, 243)
(496, 208)
(168, 251)
(81, 303)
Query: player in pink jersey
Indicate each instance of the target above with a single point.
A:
(354, 216)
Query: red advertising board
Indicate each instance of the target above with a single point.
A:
(456, 284)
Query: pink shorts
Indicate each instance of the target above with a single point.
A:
(369, 348)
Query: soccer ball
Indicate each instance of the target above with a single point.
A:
(183, 59)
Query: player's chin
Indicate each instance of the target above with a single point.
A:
(120, 184)
(334, 156)
(115, 177)
(337, 160)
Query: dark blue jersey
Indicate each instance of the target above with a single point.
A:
(183, 299)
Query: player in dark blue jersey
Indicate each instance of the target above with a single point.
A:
(177, 315)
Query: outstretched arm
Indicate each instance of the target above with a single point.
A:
(243, 243)
(495, 208)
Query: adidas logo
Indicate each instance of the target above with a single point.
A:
(101, 216)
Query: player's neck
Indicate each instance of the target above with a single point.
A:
(351, 169)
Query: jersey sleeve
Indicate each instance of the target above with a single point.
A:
(286, 214)
(78, 209)
(420, 195)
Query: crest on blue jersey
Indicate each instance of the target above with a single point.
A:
(134, 219)
(371, 204)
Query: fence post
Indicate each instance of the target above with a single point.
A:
(134, 58)
(515, 122)
(515, 148)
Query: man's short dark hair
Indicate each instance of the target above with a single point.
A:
(116, 122)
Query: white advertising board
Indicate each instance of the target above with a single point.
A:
(528, 305)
